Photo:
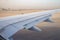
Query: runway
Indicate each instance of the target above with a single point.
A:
(50, 31)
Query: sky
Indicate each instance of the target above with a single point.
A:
(29, 4)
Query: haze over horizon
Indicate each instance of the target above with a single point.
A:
(29, 4)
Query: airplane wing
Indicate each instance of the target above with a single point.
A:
(11, 24)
